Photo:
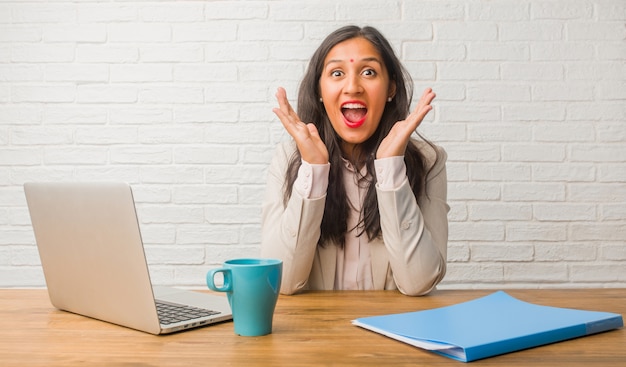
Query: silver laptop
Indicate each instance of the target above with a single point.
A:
(94, 262)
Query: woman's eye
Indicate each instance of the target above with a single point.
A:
(336, 73)
(369, 72)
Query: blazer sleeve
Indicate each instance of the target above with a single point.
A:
(415, 231)
(289, 233)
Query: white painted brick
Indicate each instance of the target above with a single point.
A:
(20, 33)
(39, 52)
(77, 73)
(440, 10)
(534, 153)
(559, 172)
(593, 31)
(600, 272)
(535, 272)
(128, 174)
(611, 90)
(43, 136)
(434, 52)
(240, 51)
(20, 157)
(565, 212)
(18, 115)
(22, 276)
(95, 33)
(105, 135)
(597, 232)
(504, 172)
(208, 72)
(252, 195)
(348, 10)
(613, 252)
(237, 133)
(213, 194)
(598, 153)
(500, 211)
(501, 252)
(171, 214)
(551, 51)
(583, 111)
(107, 53)
(498, 51)
(554, 133)
(466, 31)
(105, 12)
(232, 10)
(205, 32)
(535, 191)
(168, 12)
(299, 11)
(75, 156)
(477, 231)
(498, 92)
(43, 93)
(559, 252)
(107, 93)
(611, 51)
(539, 112)
(263, 31)
(36, 173)
(612, 172)
(535, 31)
(536, 231)
(207, 234)
(171, 174)
(535, 71)
(235, 175)
(72, 114)
(171, 94)
(595, 71)
(498, 133)
(140, 115)
(139, 32)
(613, 211)
(499, 11)
(590, 192)
(232, 214)
(468, 71)
(175, 255)
(21, 73)
(170, 134)
(141, 155)
(474, 273)
(473, 153)
(217, 112)
(206, 155)
(141, 73)
(43, 13)
(236, 92)
(561, 10)
(469, 113)
(24, 255)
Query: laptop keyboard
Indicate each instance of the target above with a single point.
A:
(171, 313)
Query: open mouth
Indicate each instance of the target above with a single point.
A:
(354, 113)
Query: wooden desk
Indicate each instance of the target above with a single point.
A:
(309, 329)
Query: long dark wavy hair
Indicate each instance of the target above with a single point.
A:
(310, 109)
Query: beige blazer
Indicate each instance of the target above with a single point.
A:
(411, 256)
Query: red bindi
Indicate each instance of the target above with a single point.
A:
(351, 60)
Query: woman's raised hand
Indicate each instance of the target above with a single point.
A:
(311, 147)
(396, 141)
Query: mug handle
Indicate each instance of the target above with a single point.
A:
(210, 281)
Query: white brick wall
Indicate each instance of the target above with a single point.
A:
(175, 97)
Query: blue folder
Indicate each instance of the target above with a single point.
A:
(489, 326)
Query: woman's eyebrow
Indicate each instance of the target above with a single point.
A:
(365, 59)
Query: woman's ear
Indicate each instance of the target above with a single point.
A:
(392, 90)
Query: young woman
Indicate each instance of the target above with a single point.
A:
(353, 202)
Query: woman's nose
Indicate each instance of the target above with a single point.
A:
(353, 84)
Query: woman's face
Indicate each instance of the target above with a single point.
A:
(354, 87)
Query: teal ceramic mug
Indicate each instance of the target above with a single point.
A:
(252, 287)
